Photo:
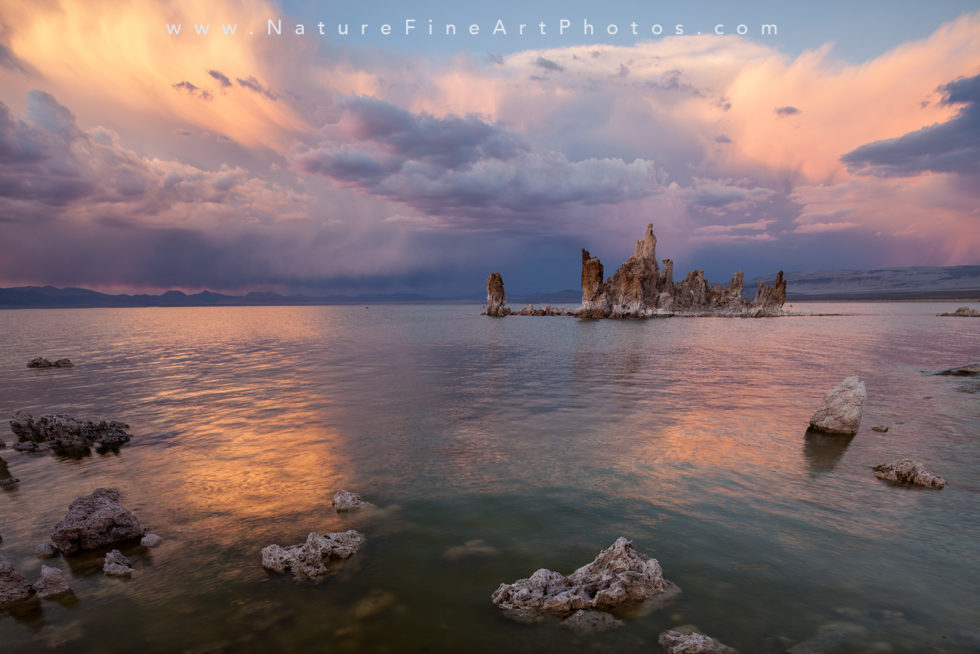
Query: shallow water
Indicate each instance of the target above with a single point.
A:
(546, 438)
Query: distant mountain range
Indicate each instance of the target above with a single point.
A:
(906, 283)
(913, 282)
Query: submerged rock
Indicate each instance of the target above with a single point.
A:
(312, 559)
(908, 471)
(52, 583)
(6, 479)
(150, 540)
(880, 429)
(66, 432)
(496, 298)
(840, 411)
(831, 637)
(470, 549)
(688, 640)
(344, 500)
(96, 520)
(374, 603)
(41, 362)
(618, 576)
(962, 312)
(971, 370)
(117, 565)
(45, 551)
(14, 586)
(590, 621)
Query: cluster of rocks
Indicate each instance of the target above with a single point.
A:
(65, 432)
(41, 362)
(640, 289)
(840, 413)
(93, 521)
(619, 576)
(961, 312)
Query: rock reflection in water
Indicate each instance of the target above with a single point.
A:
(823, 451)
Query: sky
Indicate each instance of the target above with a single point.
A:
(133, 158)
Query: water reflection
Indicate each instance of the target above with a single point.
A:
(822, 451)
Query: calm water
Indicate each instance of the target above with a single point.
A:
(545, 437)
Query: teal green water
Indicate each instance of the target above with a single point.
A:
(546, 438)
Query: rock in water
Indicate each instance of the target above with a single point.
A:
(95, 520)
(688, 640)
(618, 576)
(14, 586)
(496, 298)
(66, 432)
(41, 362)
(150, 540)
(908, 471)
(312, 558)
(117, 565)
(840, 411)
(344, 500)
(45, 551)
(962, 312)
(971, 370)
(591, 621)
(53, 582)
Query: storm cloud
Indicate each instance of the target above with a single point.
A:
(950, 147)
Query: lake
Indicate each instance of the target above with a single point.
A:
(545, 438)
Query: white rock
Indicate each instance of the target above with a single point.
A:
(688, 640)
(840, 411)
(150, 540)
(312, 558)
(53, 582)
(344, 500)
(117, 565)
(908, 471)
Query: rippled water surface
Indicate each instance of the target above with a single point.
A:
(546, 438)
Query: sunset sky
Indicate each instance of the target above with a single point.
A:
(135, 159)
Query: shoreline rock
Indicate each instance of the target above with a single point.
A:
(640, 289)
(95, 521)
(840, 411)
(908, 471)
(41, 362)
(65, 432)
(344, 501)
(687, 639)
(312, 559)
(618, 576)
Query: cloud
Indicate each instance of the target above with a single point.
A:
(949, 147)
(721, 138)
(549, 65)
(786, 111)
(221, 77)
(253, 84)
(465, 167)
(193, 90)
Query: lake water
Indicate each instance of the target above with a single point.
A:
(546, 438)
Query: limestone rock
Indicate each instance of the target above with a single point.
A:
(496, 298)
(688, 640)
(591, 621)
(639, 289)
(45, 551)
(908, 471)
(66, 432)
(14, 586)
(150, 540)
(41, 362)
(840, 411)
(53, 582)
(344, 500)
(962, 312)
(95, 520)
(618, 576)
(117, 565)
(312, 558)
